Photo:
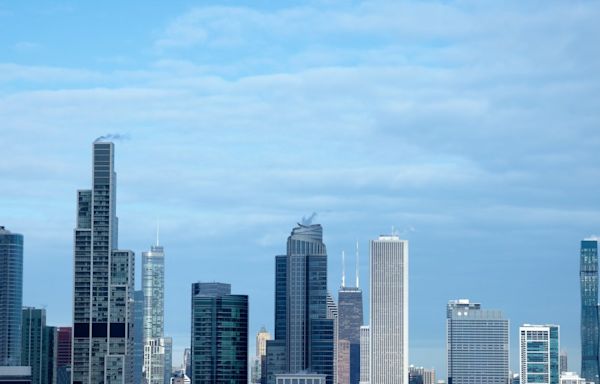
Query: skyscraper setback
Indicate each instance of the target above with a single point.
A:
(104, 281)
(389, 311)
(590, 332)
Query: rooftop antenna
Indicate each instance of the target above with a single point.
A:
(357, 264)
(157, 232)
(343, 269)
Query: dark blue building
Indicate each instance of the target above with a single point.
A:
(590, 337)
(219, 344)
(138, 336)
(303, 334)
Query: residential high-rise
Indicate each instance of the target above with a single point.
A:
(155, 345)
(539, 357)
(63, 354)
(389, 310)
(104, 279)
(365, 356)
(590, 332)
(11, 296)
(303, 333)
(470, 331)
(219, 335)
(350, 306)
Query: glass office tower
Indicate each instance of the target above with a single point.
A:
(389, 310)
(32, 339)
(219, 337)
(11, 296)
(590, 335)
(138, 336)
(104, 280)
(303, 333)
(477, 344)
(539, 357)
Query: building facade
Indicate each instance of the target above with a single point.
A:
(261, 352)
(104, 280)
(138, 337)
(302, 327)
(571, 378)
(471, 330)
(11, 296)
(539, 357)
(365, 356)
(389, 311)
(590, 332)
(350, 308)
(219, 342)
(63, 354)
(34, 344)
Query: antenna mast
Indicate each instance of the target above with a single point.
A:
(343, 269)
(357, 265)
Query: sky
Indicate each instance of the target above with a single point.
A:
(470, 127)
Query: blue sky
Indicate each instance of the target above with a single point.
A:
(470, 126)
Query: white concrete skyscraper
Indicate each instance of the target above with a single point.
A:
(389, 311)
(103, 284)
(156, 347)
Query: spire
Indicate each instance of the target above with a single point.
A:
(357, 264)
(157, 232)
(343, 269)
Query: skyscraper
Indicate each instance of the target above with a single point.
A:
(261, 352)
(11, 296)
(477, 344)
(303, 333)
(332, 313)
(155, 345)
(138, 336)
(365, 356)
(32, 340)
(420, 375)
(590, 335)
(389, 310)
(350, 308)
(539, 357)
(219, 337)
(104, 280)
(564, 364)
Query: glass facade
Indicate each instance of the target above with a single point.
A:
(539, 357)
(590, 335)
(350, 308)
(477, 344)
(11, 297)
(32, 339)
(219, 336)
(138, 336)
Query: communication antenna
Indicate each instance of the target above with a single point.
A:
(157, 232)
(357, 264)
(343, 269)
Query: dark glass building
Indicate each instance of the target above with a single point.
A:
(350, 318)
(138, 336)
(301, 324)
(32, 338)
(590, 337)
(11, 296)
(63, 355)
(219, 335)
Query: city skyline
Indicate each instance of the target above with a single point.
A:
(470, 127)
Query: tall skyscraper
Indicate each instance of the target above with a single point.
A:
(332, 313)
(219, 335)
(156, 347)
(303, 333)
(539, 357)
(590, 332)
(11, 296)
(350, 308)
(389, 310)
(104, 280)
(261, 352)
(564, 364)
(365, 356)
(471, 331)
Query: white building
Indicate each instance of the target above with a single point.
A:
(364, 354)
(539, 357)
(571, 378)
(300, 378)
(389, 311)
